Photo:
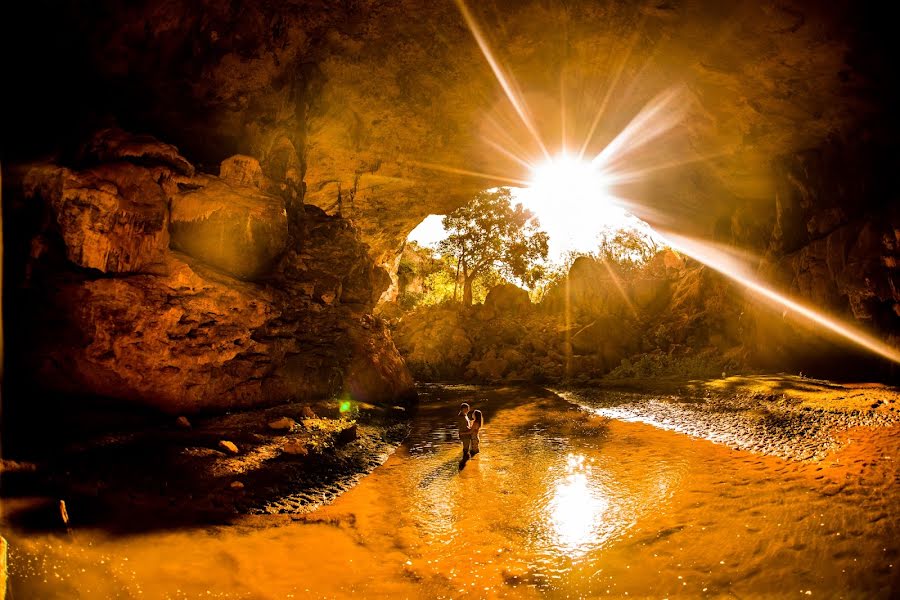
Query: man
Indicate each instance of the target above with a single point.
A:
(465, 429)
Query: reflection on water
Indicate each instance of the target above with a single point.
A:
(560, 502)
(576, 507)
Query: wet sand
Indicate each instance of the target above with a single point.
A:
(562, 502)
(790, 417)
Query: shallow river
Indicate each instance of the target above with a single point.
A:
(560, 503)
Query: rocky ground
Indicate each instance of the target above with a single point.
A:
(286, 459)
(793, 417)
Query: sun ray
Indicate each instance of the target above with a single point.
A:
(457, 171)
(501, 77)
(563, 141)
(617, 74)
(724, 263)
(657, 117)
(620, 287)
(509, 154)
(511, 142)
(614, 177)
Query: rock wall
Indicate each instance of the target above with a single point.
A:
(147, 283)
(343, 103)
(380, 113)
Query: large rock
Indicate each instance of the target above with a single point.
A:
(111, 217)
(609, 338)
(435, 342)
(507, 298)
(230, 226)
(185, 331)
(244, 170)
(591, 287)
(376, 373)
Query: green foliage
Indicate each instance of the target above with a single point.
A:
(662, 364)
(438, 279)
(490, 234)
(629, 249)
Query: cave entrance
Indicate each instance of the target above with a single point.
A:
(567, 215)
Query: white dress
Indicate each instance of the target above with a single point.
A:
(476, 438)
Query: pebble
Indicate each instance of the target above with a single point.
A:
(786, 432)
(228, 446)
(284, 423)
(295, 448)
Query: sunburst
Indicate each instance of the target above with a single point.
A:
(571, 193)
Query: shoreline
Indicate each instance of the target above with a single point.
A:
(791, 417)
(112, 483)
(184, 474)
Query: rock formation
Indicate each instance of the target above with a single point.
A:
(669, 317)
(785, 146)
(187, 293)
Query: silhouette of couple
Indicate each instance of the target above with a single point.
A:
(469, 431)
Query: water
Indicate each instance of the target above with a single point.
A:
(560, 503)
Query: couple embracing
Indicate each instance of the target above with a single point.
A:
(469, 430)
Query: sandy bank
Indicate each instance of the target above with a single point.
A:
(792, 417)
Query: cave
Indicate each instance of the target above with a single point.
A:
(242, 309)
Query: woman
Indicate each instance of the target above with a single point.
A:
(465, 428)
(477, 422)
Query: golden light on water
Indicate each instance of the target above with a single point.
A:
(576, 509)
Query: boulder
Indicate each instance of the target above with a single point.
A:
(490, 367)
(646, 292)
(111, 217)
(507, 299)
(295, 448)
(376, 373)
(608, 337)
(346, 435)
(591, 288)
(244, 170)
(238, 229)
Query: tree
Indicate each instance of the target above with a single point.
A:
(490, 233)
(628, 248)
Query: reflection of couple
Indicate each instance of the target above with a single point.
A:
(469, 430)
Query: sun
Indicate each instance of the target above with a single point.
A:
(564, 175)
(572, 201)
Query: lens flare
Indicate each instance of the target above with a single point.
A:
(573, 200)
(657, 117)
(504, 81)
(723, 262)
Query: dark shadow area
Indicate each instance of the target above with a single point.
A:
(140, 471)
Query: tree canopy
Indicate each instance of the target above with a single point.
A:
(489, 233)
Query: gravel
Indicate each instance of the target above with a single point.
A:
(763, 426)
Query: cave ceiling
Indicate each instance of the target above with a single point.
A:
(374, 109)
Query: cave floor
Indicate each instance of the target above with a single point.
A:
(561, 502)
